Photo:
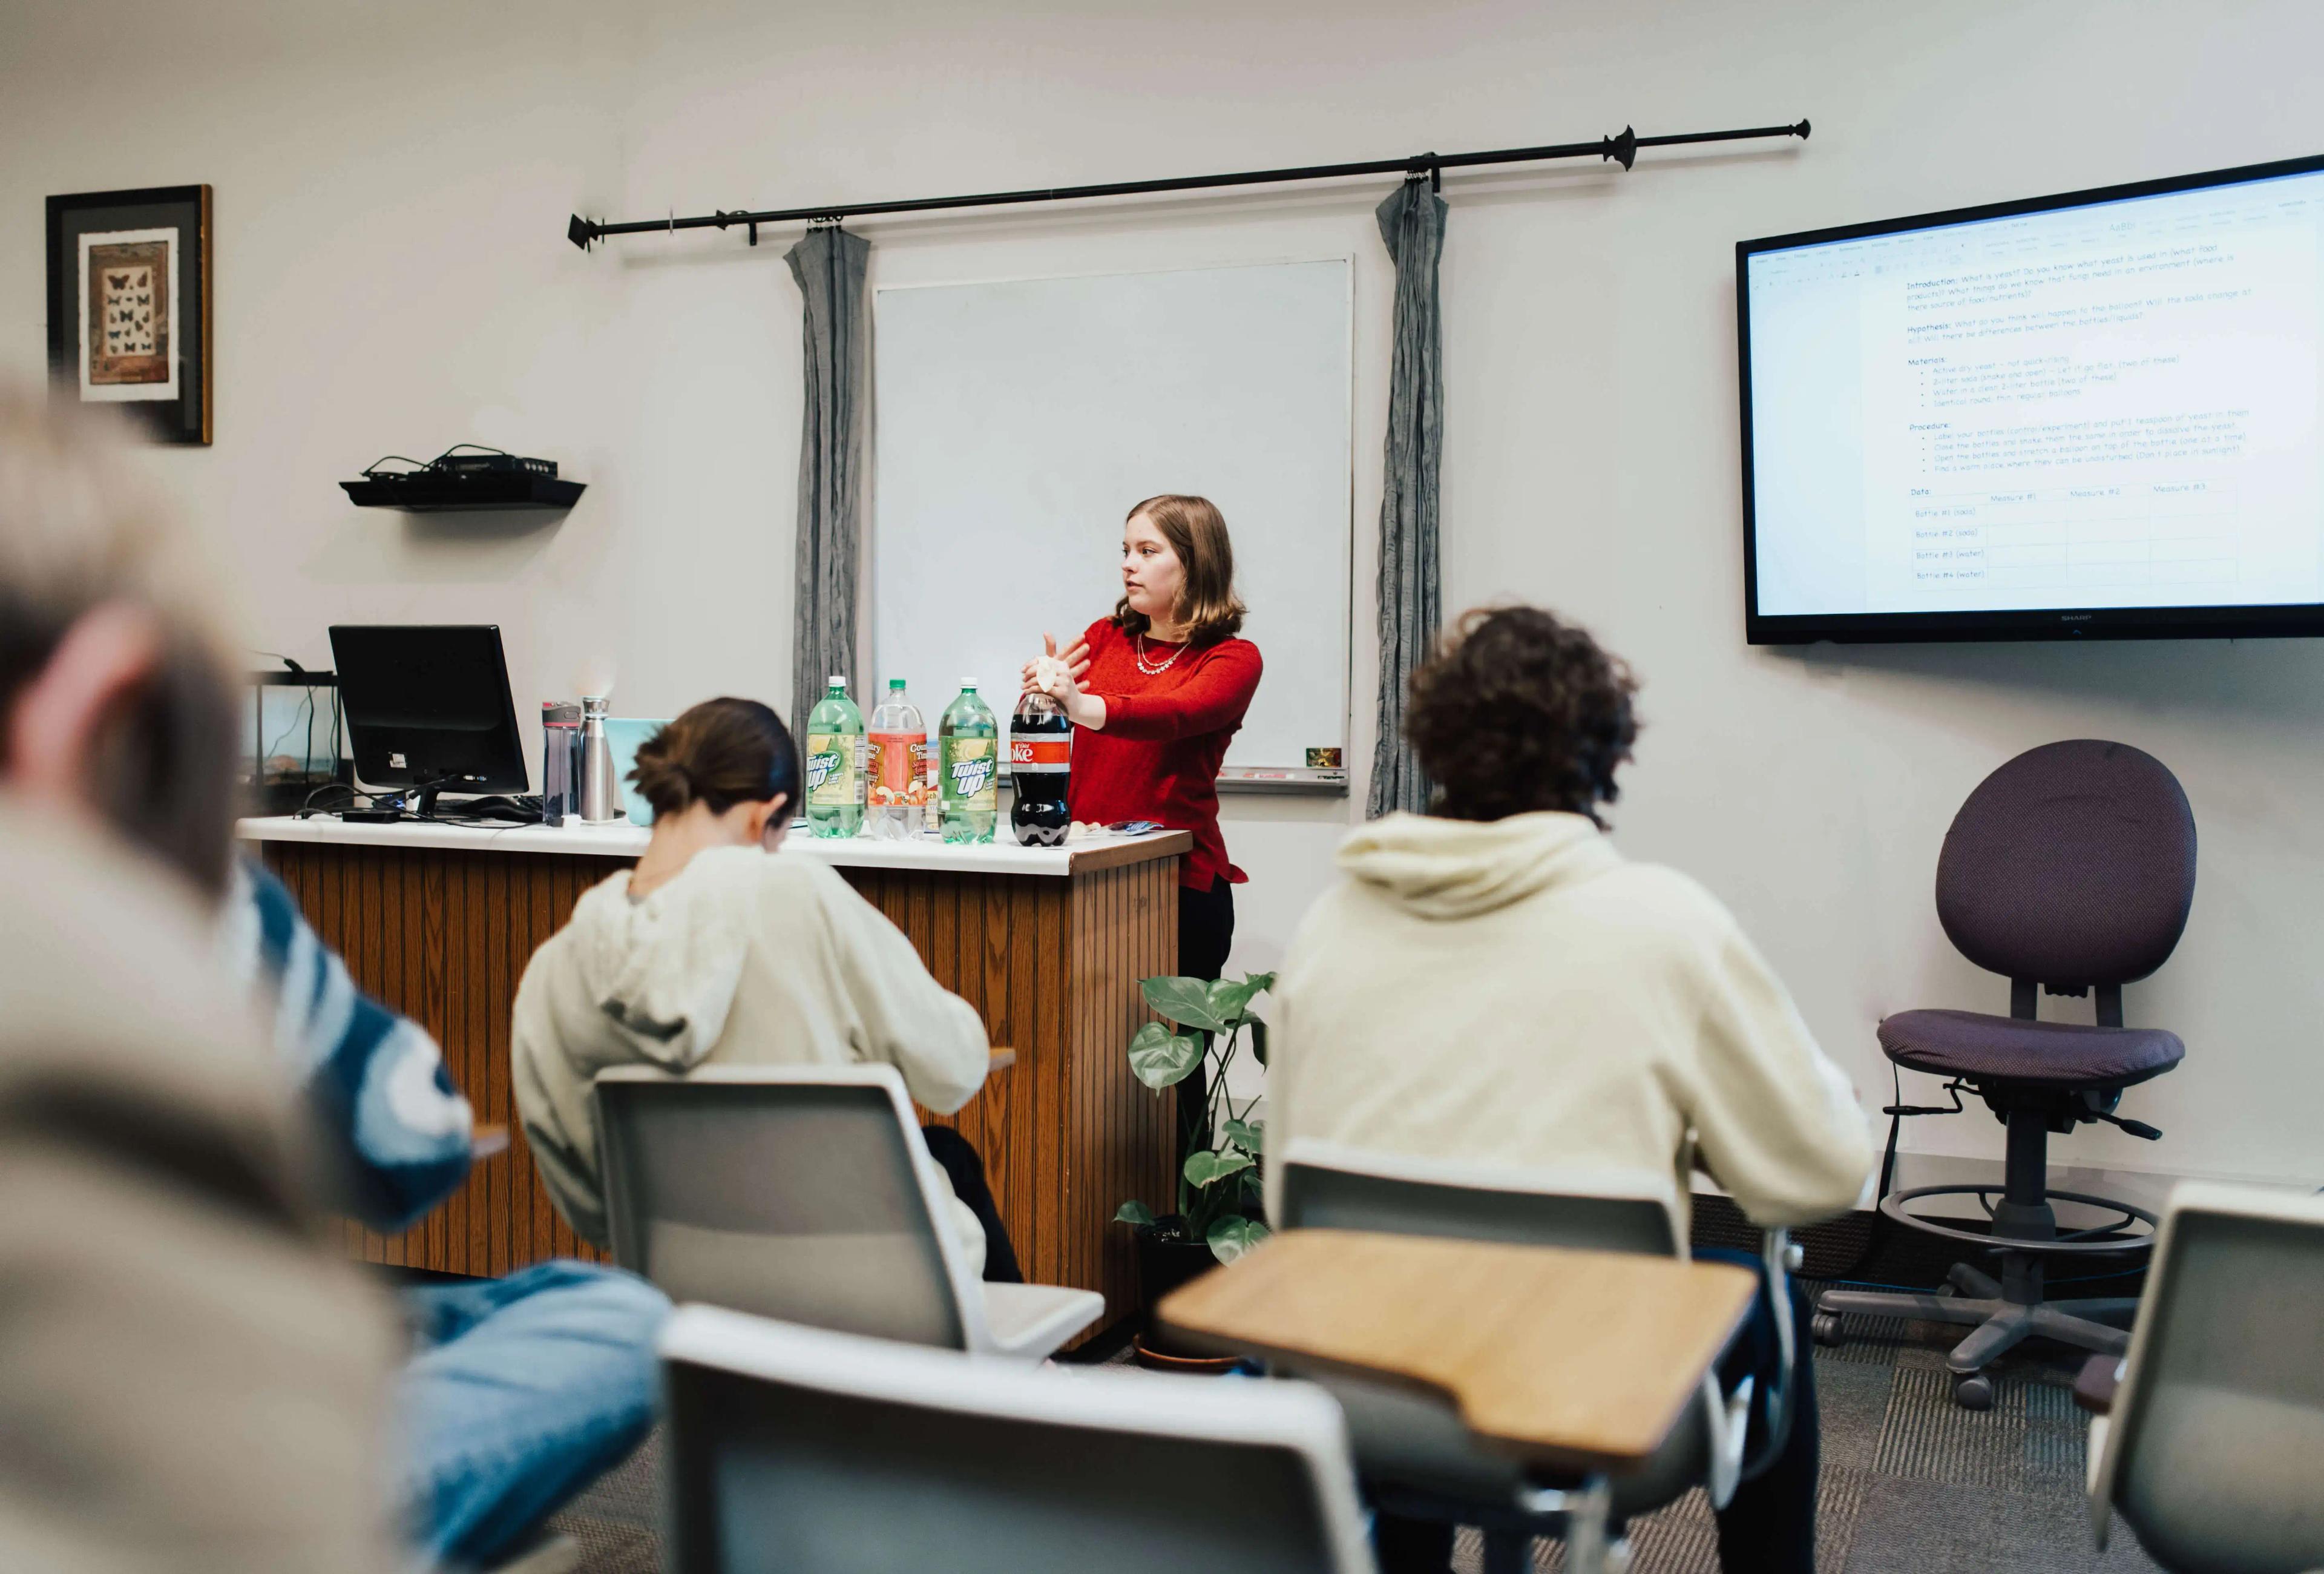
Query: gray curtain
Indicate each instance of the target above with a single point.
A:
(1411, 609)
(836, 336)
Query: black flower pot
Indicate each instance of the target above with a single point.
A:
(1168, 1258)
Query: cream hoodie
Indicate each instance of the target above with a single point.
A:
(745, 958)
(1515, 992)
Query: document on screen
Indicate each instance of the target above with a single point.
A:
(2107, 406)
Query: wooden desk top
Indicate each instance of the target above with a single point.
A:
(1570, 1360)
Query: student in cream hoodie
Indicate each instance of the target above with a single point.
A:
(1493, 982)
(712, 949)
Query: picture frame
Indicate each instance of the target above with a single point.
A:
(129, 305)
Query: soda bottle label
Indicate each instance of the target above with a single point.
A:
(924, 771)
(898, 772)
(970, 779)
(831, 762)
(1043, 751)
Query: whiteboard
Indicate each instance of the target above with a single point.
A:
(1016, 422)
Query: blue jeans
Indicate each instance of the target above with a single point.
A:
(519, 1392)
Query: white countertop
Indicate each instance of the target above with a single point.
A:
(624, 840)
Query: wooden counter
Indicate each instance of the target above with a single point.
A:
(1047, 944)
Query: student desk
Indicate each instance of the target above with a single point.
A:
(1579, 1363)
(1048, 944)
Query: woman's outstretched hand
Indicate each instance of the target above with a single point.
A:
(1060, 678)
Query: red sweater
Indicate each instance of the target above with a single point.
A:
(1165, 733)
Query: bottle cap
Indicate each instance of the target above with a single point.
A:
(968, 685)
(837, 679)
(895, 683)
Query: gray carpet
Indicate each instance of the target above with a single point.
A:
(1911, 1483)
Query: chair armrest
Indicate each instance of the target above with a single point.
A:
(2095, 1384)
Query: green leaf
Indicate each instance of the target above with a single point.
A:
(1160, 1059)
(1229, 1001)
(1184, 1001)
(1258, 1039)
(1251, 1136)
(1234, 1235)
(1133, 1213)
(1208, 1169)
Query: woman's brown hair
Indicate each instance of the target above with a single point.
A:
(721, 753)
(1197, 532)
(1519, 712)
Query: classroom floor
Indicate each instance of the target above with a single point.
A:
(1911, 1482)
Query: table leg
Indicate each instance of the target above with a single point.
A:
(1586, 1508)
(1586, 1512)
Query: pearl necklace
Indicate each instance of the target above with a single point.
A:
(1150, 669)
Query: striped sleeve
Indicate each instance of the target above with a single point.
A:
(375, 1082)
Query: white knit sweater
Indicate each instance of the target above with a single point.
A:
(1515, 992)
(744, 957)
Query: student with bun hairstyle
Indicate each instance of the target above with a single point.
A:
(712, 951)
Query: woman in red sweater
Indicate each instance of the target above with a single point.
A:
(1154, 692)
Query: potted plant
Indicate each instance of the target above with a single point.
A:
(1218, 1214)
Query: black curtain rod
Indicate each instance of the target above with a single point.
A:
(1622, 149)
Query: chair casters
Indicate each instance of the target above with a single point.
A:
(1973, 1391)
(1825, 1327)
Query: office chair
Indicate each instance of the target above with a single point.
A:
(1414, 1453)
(2070, 869)
(806, 1193)
(2210, 1447)
(811, 1452)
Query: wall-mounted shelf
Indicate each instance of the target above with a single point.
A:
(445, 493)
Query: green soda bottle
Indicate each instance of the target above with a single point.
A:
(835, 763)
(968, 768)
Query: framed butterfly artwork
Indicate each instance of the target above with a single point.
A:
(129, 305)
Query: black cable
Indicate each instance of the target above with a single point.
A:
(480, 448)
(307, 759)
(1896, 1110)
(373, 468)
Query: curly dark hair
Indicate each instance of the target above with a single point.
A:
(1519, 712)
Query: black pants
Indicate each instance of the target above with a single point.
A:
(1205, 936)
(1770, 1521)
(956, 1156)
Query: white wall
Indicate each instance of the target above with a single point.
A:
(393, 184)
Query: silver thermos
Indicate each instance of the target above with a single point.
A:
(601, 795)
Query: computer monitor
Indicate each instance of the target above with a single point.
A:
(428, 708)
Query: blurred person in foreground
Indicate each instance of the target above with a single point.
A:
(1494, 982)
(190, 1377)
(520, 1390)
(516, 1391)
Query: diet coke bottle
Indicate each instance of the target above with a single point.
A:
(1040, 764)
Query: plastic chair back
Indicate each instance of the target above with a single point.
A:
(2211, 1450)
(1327, 1187)
(798, 1193)
(808, 1452)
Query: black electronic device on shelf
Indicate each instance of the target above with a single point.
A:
(466, 475)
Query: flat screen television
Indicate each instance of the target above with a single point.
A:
(2092, 415)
